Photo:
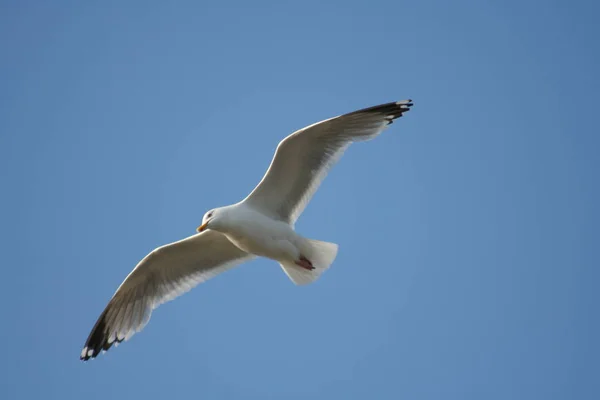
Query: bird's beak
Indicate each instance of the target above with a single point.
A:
(202, 227)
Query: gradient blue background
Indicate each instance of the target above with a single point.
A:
(468, 232)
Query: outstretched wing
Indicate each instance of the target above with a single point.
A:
(303, 159)
(162, 275)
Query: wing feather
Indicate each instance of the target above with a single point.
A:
(303, 159)
(162, 275)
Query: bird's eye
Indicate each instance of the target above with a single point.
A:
(209, 215)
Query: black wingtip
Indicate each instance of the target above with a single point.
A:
(390, 111)
(406, 103)
(97, 341)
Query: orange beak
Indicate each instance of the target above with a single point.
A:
(202, 227)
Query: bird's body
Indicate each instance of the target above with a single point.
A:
(260, 225)
(257, 234)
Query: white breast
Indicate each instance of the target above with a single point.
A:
(258, 234)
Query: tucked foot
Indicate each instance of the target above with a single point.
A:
(305, 263)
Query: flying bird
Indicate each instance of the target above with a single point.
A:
(260, 225)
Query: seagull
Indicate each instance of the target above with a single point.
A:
(260, 225)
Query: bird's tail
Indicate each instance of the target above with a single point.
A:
(320, 254)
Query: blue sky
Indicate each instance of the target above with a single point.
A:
(468, 263)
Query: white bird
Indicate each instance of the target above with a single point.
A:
(260, 225)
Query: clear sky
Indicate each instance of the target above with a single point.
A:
(468, 231)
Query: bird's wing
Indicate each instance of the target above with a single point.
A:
(303, 159)
(162, 275)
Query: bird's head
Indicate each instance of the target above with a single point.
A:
(216, 219)
(209, 219)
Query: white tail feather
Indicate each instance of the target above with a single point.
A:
(320, 254)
